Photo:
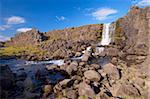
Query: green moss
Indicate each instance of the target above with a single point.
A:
(11, 50)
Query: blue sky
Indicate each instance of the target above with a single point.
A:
(22, 15)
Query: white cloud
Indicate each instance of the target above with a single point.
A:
(4, 27)
(61, 18)
(143, 3)
(4, 38)
(103, 13)
(23, 29)
(15, 20)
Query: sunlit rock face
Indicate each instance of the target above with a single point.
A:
(133, 31)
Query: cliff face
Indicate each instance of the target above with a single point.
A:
(57, 43)
(132, 33)
(29, 38)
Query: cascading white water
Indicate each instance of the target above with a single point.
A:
(105, 35)
(105, 38)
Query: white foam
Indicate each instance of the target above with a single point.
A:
(106, 35)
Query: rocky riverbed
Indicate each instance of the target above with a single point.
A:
(118, 68)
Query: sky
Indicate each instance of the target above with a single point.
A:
(22, 15)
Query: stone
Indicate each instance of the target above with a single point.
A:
(92, 75)
(85, 90)
(51, 67)
(86, 56)
(82, 64)
(64, 82)
(47, 90)
(96, 66)
(29, 84)
(69, 93)
(103, 74)
(21, 75)
(111, 51)
(72, 67)
(128, 90)
(112, 71)
(30, 95)
(7, 78)
(78, 54)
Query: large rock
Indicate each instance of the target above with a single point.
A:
(7, 78)
(112, 71)
(86, 56)
(72, 67)
(92, 75)
(132, 32)
(128, 90)
(85, 90)
(111, 51)
(7, 81)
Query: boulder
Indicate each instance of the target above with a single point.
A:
(85, 90)
(21, 75)
(86, 56)
(111, 51)
(96, 66)
(7, 78)
(51, 67)
(72, 67)
(128, 90)
(29, 84)
(92, 75)
(78, 54)
(112, 71)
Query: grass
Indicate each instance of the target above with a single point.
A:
(17, 51)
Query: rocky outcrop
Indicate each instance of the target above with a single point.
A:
(125, 73)
(133, 32)
(7, 81)
(31, 38)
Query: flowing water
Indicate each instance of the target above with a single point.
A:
(106, 39)
(106, 35)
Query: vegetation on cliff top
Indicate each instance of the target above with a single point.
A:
(18, 51)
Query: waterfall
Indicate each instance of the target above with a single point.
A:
(105, 38)
(105, 35)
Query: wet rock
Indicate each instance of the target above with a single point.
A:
(29, 84)
(111, 71)
(85, 90)
(41, 74)
(20, 84)
(21, 75)
(30, 95)
(92, 75)
(7, 78)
